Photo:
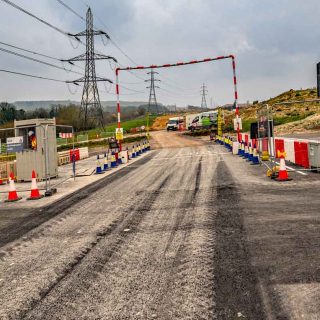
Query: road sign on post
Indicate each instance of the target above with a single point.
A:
(237, 122)
(119, 134)
(15, 144)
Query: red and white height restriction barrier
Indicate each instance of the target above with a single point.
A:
(179, 64)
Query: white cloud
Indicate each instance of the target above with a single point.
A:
(275, 43)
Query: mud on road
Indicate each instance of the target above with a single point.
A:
(152, 252)
(186, 234)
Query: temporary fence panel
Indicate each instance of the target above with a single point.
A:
(301, 154)
(271, 147)
(62, 141)
(63, 157)
(289, 150)
(82, 137)
(6, 168)
(106, 134)
(3, 148)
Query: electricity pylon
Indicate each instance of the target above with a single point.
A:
(152, 96)
(204, 92)
(90, 102)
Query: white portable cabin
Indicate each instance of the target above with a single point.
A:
(34, 158)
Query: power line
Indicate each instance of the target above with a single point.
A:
(30, 75)
(70, 9)
(29, 51)
(37, 60)
(37, 18)
(41, 55)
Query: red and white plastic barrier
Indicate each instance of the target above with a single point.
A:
(65, 157)
(297, 150)
(65, 135)
(289, 150)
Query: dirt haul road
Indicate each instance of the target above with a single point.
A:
(172, 237)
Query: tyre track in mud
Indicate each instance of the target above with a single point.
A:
(117, 234)
(237, 292)
(41, 215)
(175, 259)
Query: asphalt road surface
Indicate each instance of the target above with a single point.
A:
(188, 232)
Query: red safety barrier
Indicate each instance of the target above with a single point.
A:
(246, 137)
(76, 154)
(254, 143)
(265, 143)
(301, 154)
(279, 143)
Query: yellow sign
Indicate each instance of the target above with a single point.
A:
(119, 133)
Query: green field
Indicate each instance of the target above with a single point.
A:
(126, 125)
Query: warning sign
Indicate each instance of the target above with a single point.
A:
(15, 144)
(236, 122)
(119, 133)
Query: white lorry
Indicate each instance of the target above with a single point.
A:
(189, 120)
(173, 123)
(204, 120)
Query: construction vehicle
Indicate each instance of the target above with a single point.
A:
(173, 123)
(205, 120)
(189, 119)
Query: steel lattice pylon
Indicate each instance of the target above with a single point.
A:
(152, 94)
(90, 102)
(204, 100)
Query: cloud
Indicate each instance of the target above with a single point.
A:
(275, 43)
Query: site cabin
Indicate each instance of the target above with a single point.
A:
(205, 120)
(173, 123)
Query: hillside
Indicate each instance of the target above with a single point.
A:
(32, 105)
(292, 118)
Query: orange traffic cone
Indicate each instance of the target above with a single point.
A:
(283, 173)
(35, 194)
(12, 196)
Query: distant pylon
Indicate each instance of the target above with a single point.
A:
(204, 92)
(152, 94)
(90, 102)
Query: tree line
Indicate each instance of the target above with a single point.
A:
(66, 114)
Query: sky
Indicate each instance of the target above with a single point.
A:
(276, 44)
